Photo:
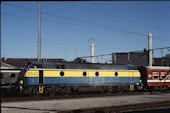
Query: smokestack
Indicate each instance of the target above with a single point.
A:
(150, 48)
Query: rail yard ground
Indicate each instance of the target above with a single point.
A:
(126, 103)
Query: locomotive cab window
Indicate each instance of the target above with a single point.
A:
(36, 66)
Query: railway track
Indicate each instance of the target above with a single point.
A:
(117, 104)
(65, 96)
(152, 107)
(80, 95)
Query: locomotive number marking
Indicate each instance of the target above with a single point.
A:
(33, 73)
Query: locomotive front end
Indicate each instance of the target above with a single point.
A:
(21, 78)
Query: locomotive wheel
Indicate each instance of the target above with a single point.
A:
(35, 92)
(52, 92)
(74, 90)
(46, 92)
(109, 90)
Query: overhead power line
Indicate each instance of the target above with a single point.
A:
(161, 48)
(87, 22)
(81, 25)
(25, 43)
(113, 16)
(58, 15)
(125, 52)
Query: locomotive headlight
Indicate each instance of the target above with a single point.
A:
(21, 82)
(140, 81)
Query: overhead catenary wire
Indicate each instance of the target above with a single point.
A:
(46, 42)
(51, 14)
(113, 16)
(125, 52)
(87, 22)
(101, 27)
(68, 41)
(81, 25)
(153, 10)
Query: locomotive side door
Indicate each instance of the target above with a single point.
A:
(41, 78)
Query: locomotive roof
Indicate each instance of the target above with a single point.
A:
(71, 65)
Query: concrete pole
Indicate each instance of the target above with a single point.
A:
(150, 48)
(92, 51)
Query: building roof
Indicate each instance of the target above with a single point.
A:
(167, 56)
(21, 62)
(6, 66)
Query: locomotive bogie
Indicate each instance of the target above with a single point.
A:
(51, 90)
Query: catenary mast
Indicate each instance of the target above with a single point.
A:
(39, 32)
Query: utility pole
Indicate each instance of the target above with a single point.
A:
(39, 32)
(92, 50)
(150, 48)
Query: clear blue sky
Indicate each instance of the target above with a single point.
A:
(66, 28)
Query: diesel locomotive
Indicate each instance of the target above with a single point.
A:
(49, 78)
